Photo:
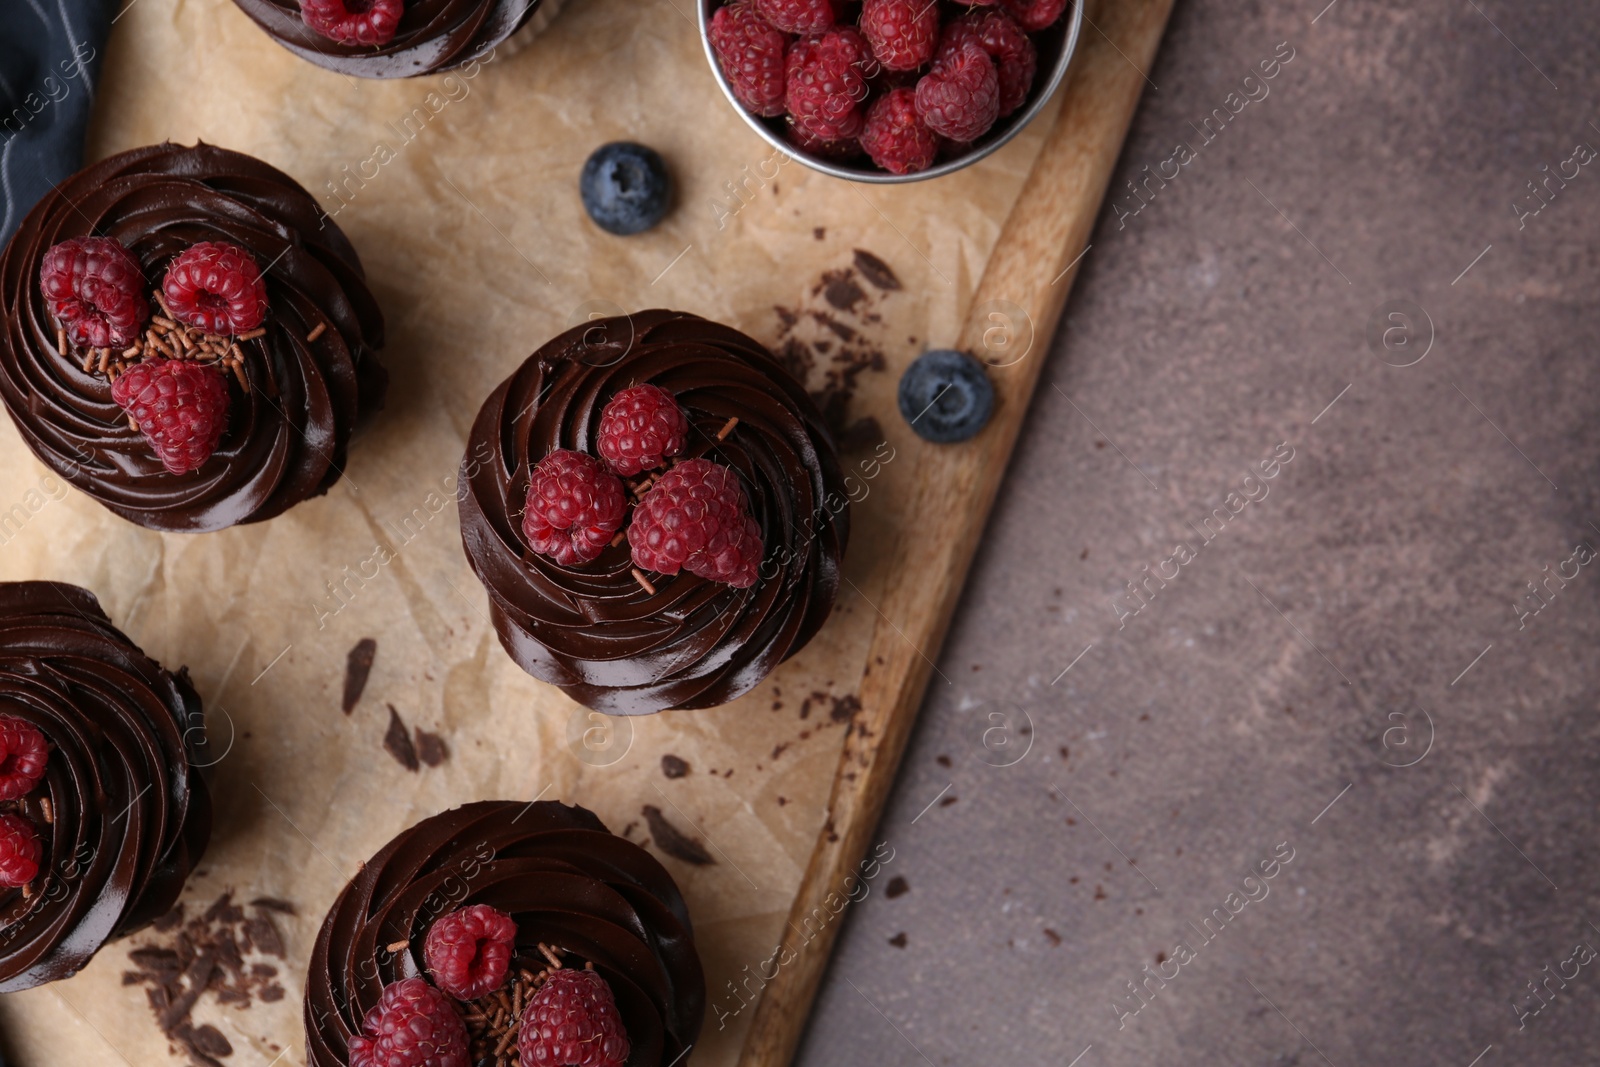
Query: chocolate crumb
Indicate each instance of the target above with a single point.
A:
(845, 708)
(947, 801)
(943, 761)
(357, 667)
(839, 289)
(673, 841)
(820, 233)
(876, 271)
(431, 748)
(674, 767)
(898, 940)
(397, 742)
(897, 887)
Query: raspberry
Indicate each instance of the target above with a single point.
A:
(368, 22)
(19, 852)
(998, 34)
(413, 1025)
(895, 138)
(846, 148)
(469, 950)
(574, 507)
(572, 1021)
(750, 50)
(825, 81)
(798, 16)
(216, 287)
(902, 32)
(1035, 15)
(95, 289)
(23, 752)
(640, 428)
(181, 408)
(960, 97)
(696, 518)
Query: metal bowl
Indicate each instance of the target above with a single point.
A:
(1055, 45)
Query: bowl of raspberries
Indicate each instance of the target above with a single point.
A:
(889, 90)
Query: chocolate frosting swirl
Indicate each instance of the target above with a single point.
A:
(556, 870)
(434, 35)
(129, 814)
(593, 629)
(286, 439)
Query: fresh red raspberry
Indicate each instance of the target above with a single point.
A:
(696, 518)
(798, 16)
(95, 289)
(1035, 15)
(895, 137)
(750, 50)
(572, 1021)
(902, 33)
(23, 752)
(846, 148)
(960, 97)
(19, 852)
(181, 408)
(998, 34)
(825, 82)
(469, 950)
(640, 428)
(413, 1025)
(217, 288)
(365, 22)
(575, 506)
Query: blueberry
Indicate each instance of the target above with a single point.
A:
(626, 188)
(945, 396)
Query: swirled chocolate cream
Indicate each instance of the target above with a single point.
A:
(103, 813)
(397, 38)
(504, 932)
(657, 512)
(188, 338)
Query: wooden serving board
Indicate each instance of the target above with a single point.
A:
(1022, 293)
(459, 192)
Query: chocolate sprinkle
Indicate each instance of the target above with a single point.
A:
(673, 841)
(674, 767)
(356, 669)
(397, 742)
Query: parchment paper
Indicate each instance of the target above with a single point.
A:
(460, 193)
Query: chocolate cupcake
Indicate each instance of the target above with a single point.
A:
(460, 929)
(103, 813)
(239, 304)
(397, 38)
(697, 420)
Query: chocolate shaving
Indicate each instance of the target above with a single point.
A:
(431, 748)
(397, 742)
(876, 271)
(673, 841)
(674, 767)
(839, 288)
(282, 907)
(357, 667)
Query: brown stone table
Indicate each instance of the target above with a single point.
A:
(1357, 630)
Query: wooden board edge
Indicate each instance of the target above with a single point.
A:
(1032, 270)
